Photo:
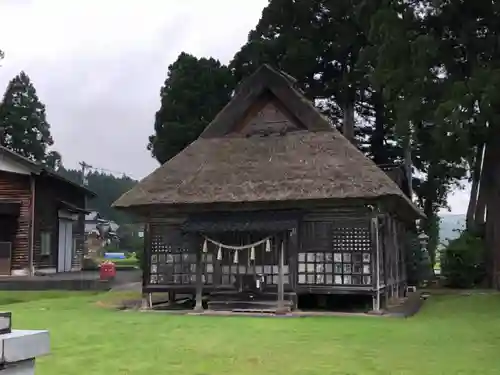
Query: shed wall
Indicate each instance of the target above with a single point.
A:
(16, 187)
(49, 193)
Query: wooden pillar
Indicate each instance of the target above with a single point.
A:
(281, 278)
(389, 249)
(199, 282)
(146, 267)
(292, 252)
(386, 255)
(376, 264)
(397, 250)
(401, 238)
(171, 297)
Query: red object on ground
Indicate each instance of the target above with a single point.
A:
(107, 271)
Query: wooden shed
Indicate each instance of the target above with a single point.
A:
(41, 218)
(271, 202)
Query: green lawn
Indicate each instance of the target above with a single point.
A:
(452, 335)
(127, 262)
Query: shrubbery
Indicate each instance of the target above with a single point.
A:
(463, 261)
(418, 265)
(90, 264)
(141, 259)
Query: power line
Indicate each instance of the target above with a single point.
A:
(103, 170)
(123, 174)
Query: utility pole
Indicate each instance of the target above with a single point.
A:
(84, 167)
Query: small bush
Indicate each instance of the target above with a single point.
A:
(463, 261)
(141, 260)
(90, 264)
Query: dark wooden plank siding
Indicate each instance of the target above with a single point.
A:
(49, 193)
(16, 187)
(45, 221)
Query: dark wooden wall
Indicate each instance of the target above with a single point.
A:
(330, 250)
(49, 192)
(336, 249)
(16, 187)
(172, 258)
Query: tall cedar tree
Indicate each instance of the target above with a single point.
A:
(409, 67)
(322, 44)
(23, 123)
(470, 33)
(194, 92)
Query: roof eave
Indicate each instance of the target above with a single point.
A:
(89, 193)
(147, 208)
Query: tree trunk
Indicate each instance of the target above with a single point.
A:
(348, 123)
(480, 212)
(429, 211)
(408, 162)
(491, 170)
(378, 149)
(476, 176)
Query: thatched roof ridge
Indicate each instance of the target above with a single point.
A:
(266, 78)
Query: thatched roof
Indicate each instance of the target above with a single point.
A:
(317, 163)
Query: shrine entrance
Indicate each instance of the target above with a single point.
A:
(249, 259)
(250, 271)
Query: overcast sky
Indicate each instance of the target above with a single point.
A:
(98, 66)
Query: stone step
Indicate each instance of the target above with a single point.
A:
(250, 306)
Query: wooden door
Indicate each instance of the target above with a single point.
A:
(65, 252)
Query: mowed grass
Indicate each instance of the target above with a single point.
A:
(451, 335)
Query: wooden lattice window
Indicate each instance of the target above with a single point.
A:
(265, 264)
(173, 258)
(346, 261)
(337, 268)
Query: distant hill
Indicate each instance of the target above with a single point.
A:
(449, 226)
(108, 189)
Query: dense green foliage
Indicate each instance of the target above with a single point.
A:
(108, 189)
(194, 92)
(23, 122)
(463, 261)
